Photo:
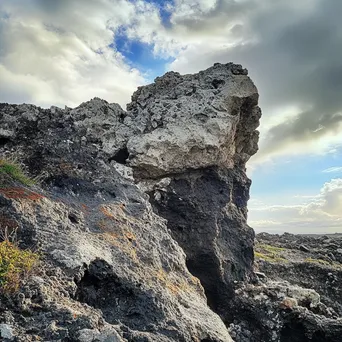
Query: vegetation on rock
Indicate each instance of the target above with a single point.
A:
(269, 253)
(12, 170)
(15, 265)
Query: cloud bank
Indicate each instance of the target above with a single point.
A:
(66, 52)
(321, 214)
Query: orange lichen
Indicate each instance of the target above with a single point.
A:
(20, 193)
(106, 211)
(195, 280)
(117, 229)
(85, 208)
(130, 236)
(175, 286)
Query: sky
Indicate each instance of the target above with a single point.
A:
(64, 52)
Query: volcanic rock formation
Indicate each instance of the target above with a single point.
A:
(110, 268)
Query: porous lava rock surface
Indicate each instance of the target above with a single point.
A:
(139, 219)
(139, 216)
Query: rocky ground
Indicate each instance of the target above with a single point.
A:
(313, 262)
(298, 294)
(139, 216)
(138, 221)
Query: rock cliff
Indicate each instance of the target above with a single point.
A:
(138, 221)
(139, 216)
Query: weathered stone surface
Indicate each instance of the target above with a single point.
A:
(109, 263)
(199, 133)
(140, 219)
(6, 332)
(312, 268)
(298, 301)
(281, 312)
(194, 121)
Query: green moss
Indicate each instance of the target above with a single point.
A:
(317, 261)
(269, 257)
(15, 265)
(9, 169)
(334, 265)
(269, 253)
(271, 249)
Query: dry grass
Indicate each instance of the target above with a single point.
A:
(15, 265)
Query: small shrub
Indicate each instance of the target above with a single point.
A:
(15, 265)
(11, 169)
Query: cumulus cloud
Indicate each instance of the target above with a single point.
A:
(62, 52)
(59, 52)
(321, 214)
(55, 51)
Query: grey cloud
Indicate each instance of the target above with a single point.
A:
(224, 12)
(295, 59)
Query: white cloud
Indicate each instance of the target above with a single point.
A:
(321, 214)
(57, 53)
(334, 169)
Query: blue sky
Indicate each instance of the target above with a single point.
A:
(297, 175)
(140, 56)
(66, 52)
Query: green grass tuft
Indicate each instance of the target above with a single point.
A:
(10, 169)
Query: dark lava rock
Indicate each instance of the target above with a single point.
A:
(301, 299)
(111, 269)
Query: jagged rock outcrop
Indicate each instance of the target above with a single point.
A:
(297, 295)
(198, 133)
(139, 217)
(112, 269)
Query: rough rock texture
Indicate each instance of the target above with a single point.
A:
(297, 296)
(194, 121)
(318, 266)
(111, 269)
(199, 133)
(139, 217)
(281, 312)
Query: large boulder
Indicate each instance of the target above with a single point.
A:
(112, 268)
(196, 134)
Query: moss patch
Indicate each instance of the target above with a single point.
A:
(334, 264)
(269, 253)
(15, 265)
(317, 261)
